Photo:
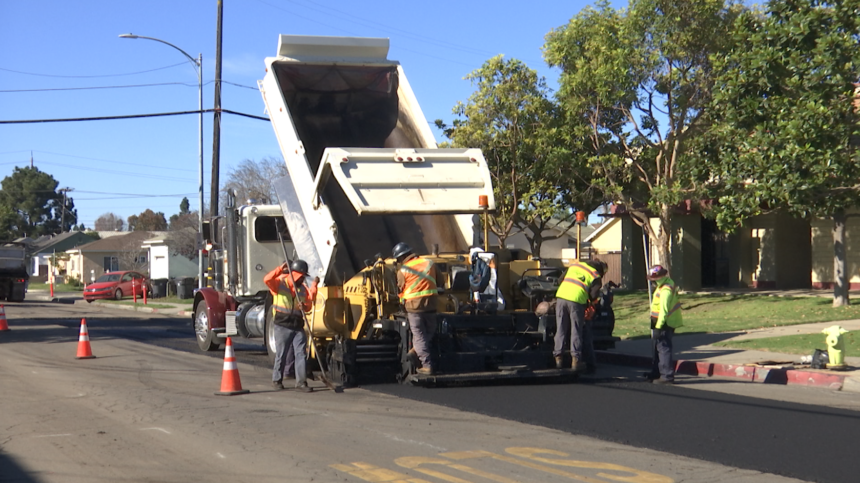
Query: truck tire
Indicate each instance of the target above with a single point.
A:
(207, 340)
(269, 339)
(17, 294)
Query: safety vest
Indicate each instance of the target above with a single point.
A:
(668, 290)
(418, 281)
(576, 281)
(286, 302)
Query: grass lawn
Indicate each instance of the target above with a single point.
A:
(803, 344)
(726, 313)
(62, 287)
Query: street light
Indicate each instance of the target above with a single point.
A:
(198, 67)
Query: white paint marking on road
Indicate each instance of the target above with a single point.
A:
(412, 441)
(53, 435)
(221, 455)
(156, 429)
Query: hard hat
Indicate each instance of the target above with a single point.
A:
(657, 272)
(599, 265)
(400, 250)
(300, 266)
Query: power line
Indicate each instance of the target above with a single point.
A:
(112, 161)
(130, 116)
(98, 87)
(91, 76)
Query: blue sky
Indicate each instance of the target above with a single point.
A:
(127, 166)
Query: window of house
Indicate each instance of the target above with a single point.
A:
(111, 264)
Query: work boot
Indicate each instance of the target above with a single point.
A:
(662, 381)
(305, 388)
(425, 371)
(277, 385)
(577, 365)
(559, 362)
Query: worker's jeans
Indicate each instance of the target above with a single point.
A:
(571, 315)
(662, 365)
(284, 338)
(423, 327)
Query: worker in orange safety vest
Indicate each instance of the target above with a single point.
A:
(416, 280)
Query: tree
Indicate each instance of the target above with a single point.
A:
(785, 115)
(184, 206)
(634, 85)
(512, 120)
(109, 222)
(30, 205)
(147, 221)
(253, 180)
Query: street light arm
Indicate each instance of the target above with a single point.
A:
(132, 36)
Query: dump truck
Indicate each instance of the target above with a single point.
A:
(14, 260)
(365, 173)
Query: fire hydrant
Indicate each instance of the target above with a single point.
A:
(835, 347)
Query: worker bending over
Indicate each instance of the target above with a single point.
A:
(291, 299)
(416, 281)
(581, 285)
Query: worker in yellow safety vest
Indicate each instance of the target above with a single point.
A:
(290, 300)
(665, 318)
(581, 285)
(416, 281)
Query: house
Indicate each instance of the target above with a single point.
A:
(166, 264)
(44, 249)
(773, 251)
(562, 247)
(117, 252)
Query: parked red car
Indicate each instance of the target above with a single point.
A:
(116, 285)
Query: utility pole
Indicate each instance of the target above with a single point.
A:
(216, 136)
(63, 215)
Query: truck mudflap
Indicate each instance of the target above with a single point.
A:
(505, 375)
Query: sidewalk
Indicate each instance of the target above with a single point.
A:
(163, 307)
(696, 355)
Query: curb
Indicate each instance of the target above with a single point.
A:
(751, 373)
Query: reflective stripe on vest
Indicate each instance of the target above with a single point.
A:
(418, 281)
(655, 303)
(285, 302)
(576, 282)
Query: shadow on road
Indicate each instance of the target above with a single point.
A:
(10, 470)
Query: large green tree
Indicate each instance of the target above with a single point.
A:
(784, 117)
(634, 85)
(31, 206)
(511, 118)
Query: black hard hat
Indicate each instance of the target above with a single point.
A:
(600, 266)
(400, 250)
(300, 266)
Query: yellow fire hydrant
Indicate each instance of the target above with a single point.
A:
(835, 347)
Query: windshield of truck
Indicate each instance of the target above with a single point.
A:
(108, 278)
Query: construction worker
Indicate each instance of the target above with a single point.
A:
(665, 318)
(581, 285)
(416, 281)
(290, 299)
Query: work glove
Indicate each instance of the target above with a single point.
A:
(316, 282)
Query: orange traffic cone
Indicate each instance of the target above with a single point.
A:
(84, 350)
(3, 325)
(230, 383)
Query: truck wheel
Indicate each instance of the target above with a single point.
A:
(206, 338)
(270, 338)
(118, 294)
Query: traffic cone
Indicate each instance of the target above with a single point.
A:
(3, 325)
(230, 383)
(84, 350)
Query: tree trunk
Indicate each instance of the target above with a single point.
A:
(840, 275)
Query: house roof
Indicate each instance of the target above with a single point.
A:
(602, 228)
(121, 243)
(567, 227)
(63, 241)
